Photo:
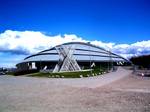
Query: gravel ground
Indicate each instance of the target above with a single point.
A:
(128, 93)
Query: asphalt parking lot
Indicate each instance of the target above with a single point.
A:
(119, 91)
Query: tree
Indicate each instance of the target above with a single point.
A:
(143, 61)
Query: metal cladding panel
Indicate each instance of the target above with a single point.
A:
(50, 51)
(88, 47)
(82, 53)
(93, 53)
(96, 58)
(93, 58)
(77, 57)
(43, 58)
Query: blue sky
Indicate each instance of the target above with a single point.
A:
(109, 21)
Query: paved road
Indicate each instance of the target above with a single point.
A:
(29, 94)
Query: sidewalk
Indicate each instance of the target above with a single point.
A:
(96, 81)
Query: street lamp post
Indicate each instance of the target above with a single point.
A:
(90, 58)
(110, 62)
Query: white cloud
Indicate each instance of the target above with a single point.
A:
(107, 46)
(30, 42)
(135, 49)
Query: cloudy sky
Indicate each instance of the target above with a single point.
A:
(29, 26)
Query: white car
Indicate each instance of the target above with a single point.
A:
(2, 73)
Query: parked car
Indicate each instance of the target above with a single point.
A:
(2, 73)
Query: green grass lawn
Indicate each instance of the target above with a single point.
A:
(77, 74)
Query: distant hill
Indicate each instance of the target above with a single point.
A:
(143, 61)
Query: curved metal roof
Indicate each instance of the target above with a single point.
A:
(83, 52)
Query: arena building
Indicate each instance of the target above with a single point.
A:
(73, 56)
